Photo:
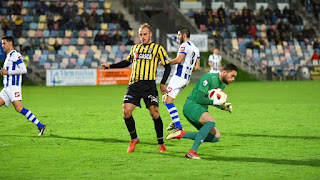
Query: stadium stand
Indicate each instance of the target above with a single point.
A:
(72, 34)
(267, 37)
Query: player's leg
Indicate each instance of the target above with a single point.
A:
(1, 102)
(127, 114)
(29, 115)
(130, 101)
(158, 126)
(174, 88)
(168, 102)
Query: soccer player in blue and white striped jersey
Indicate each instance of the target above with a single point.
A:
(187, 60)
(12, 71)
(215, 61)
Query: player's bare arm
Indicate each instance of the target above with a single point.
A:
(197, 65)
(178, 59)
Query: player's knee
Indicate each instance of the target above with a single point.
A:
(127, 113)
(218, 136)
(155, 114)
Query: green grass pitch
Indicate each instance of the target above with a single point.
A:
(272, 133)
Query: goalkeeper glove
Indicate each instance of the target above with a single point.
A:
(227, 107)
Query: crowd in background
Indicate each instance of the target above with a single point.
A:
(68, 18)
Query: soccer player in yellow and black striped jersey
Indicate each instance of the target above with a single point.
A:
(144, 58)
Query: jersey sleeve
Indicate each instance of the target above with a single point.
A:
(198, 54)
(131, 55)
(204, 85)
(210, 58)
(163, 56)
(183, 49)
(18, 65)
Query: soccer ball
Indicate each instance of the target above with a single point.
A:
(216, 94)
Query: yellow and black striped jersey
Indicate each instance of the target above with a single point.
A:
(144, 59)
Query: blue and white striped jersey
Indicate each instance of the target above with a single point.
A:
(185, 68)
(15, 67)
(215, 60)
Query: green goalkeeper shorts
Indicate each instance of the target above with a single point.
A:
(193, 111)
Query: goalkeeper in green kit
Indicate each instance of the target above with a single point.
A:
(195, 108)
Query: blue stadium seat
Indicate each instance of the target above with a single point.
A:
(54, 33)
(9, 33)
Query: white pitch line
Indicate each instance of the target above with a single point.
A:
(4, 144)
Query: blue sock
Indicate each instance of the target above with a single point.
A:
(174, 115)
(31, 117)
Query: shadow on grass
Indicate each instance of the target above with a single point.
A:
(311, 162)
(276, 136)
(111, 140)
(207, 157)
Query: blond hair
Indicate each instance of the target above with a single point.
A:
(145, 25)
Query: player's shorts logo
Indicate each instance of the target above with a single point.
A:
(169, 89)
(17, 94)
(155, 99)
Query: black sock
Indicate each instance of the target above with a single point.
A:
(131, 127)
(158, 126)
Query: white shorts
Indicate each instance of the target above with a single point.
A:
(10, 94)
(176, 85)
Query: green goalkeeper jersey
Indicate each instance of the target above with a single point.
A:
(204, 84)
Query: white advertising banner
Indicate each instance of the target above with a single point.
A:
(71, 77)
(200, 40)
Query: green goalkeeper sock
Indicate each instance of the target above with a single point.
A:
(211, 138)
(190, 136)
(202, 134)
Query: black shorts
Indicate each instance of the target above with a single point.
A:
(142, 89)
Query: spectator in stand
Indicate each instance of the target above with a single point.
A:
(268, 14)
(43, 45)
(261, 16)
(196, 17)
(56, 46)
(80, 23)
(106, 16)
(277, 12)
(274, 18)
(271, 34)
(300, 37)
(316, 44)
(16, 8)
(253, 31)
(66, 12)
(221, 12)
(119, 16)
(129, 40)
(283, 36)
(50, 22)
(110, 40)
(5, 24)
(52, 7)
(27, 45)
(95, 16)
(316, 11)
(124, 24)
(92, 23)
(98, 39)
(312, 32)
(117, 37)
(315, 56)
